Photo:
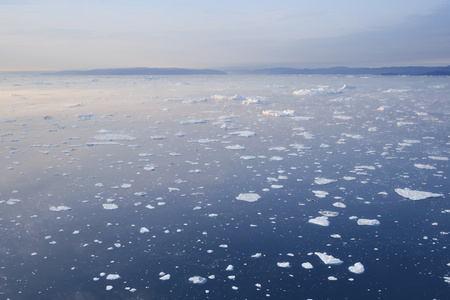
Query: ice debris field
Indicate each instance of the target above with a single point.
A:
(224, 187)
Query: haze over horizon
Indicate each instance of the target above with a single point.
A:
(63, 35)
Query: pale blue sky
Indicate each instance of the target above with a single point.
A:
(87, 34)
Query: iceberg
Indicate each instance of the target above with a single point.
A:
(280, 113)
(197, 280)
(368, 222)
(110, 206)
(319, 180)
(416, 195)
(357, 268)
(322, 221)
(307, 265)
(328, 259)
(249, 197)
(59, 208)
(284, 264)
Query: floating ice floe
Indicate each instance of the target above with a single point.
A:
(307, 265)
(144, 230)
(222, 97)
(284, 264)
(230, 268)
(13, 201)
(248, 157)
(235, 147)
(328, 213)
(248, 197)
(416, 195)
(254, 100)
(189, 122)
(319, 180)
(59, 208)
(320, 194)
(110, 206)
(328, 259)
(357, 268)
(322, 221)
(113, 137)
(257, 255)
(112, 277)
(158, 137)
(443, 158)
(339, 204)
(109, 287)
(368, 222)
(426, 167)
(244, 133)
(318, 91)
(197, 280)
(165, 277)
(280, 113)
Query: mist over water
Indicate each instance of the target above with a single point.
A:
(321, 187)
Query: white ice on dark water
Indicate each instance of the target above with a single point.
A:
(59, 208)
(357, 268)
(110, 206)
(416, 195)
(319, 180)
(307, 265)
(368, 222)
(284, 264)
(322, 221)
(248, 197)
(197, 280)
(328, 259)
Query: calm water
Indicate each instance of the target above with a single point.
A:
(171, 154)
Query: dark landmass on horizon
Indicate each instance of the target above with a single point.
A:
(393, 71)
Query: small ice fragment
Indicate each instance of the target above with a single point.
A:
(244, 133)
(248, 197)
(235, 147)
(110, 206)
(165, 277)
(443, 158)
(320, 180)
(197, 280)
(307, 265)
(257, 255)
(332, 278)
(59, 208)
(229, 268)
(144, 230)
(336, 236)
(368, 222)
(320, 194)
(357, 268)
(328, 259)
(284, 264)
(112, 276)
(280, 113)
(322, 221)
(426, 167)
(109, 287)
(416, 195)
(339, 204)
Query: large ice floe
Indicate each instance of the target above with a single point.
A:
(416, 195)
(197, 280)
(322, 221)
(248, 197)
(368, 222)
(357, 268)
(328, 259)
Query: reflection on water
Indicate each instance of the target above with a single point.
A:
(128, 187)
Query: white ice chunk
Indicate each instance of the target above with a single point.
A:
(328, 259)
(110, 206)
(416, 195)
(443, 158)
(165, 277)
(357, 268)
(307, 265)
(339, 204)
(249, 197)
(284, 264)
(322, 221)
(318, 91)
(426, 167)
(320, 194)
(257, 255)
(197, 280)
(112, 277)
(368, 222)
(235, 147)
(230, 268)
(144, 230)
(113, 137)
(319, 180)
(280, 113)
(244, 133)
(189, 122)
(59, 208)
(109, 287)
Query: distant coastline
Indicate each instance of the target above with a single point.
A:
(382, 71)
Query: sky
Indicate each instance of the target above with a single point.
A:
(232, 34)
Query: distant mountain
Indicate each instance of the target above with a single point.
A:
(141, 71)
(415, 71)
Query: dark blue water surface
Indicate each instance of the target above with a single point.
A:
(168, 154)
